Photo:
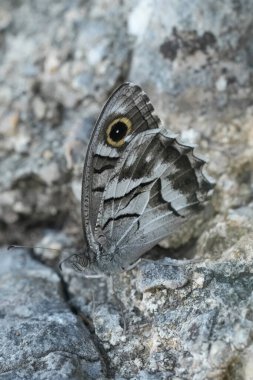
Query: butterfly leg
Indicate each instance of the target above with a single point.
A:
(132, 266)
(175, 262)
(112, 292)
(93, 304)
(99, 275)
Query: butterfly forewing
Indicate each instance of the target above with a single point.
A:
(101, 158)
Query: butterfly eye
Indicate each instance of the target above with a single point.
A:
(117, 130)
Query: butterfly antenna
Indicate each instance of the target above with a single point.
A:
(27, 247)
(51, 249)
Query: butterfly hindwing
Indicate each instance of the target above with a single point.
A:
(157, 184)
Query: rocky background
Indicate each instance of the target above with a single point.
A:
(166, 319)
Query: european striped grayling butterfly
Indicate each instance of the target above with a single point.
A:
(139, 184)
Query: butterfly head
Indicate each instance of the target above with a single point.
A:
(92, 264)
(80, 261)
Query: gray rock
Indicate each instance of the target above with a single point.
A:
(161, 274)
(181, 51)
(39, 108)
(40, 336)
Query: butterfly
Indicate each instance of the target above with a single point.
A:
(140, 184)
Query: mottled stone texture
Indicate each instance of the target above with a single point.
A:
(40, 336)
(168, 318)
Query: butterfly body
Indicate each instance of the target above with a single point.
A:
(139, 183)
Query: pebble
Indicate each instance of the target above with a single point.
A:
(5, 19)
(221, 84)
(9, 124)
(52, 64)
(50, 173)
(39, 108)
